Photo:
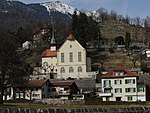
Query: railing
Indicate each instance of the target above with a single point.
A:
(105, 94)
(107, 86)
(63, 92)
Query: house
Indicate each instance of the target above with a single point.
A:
(8, 91)
(26, 45)
(38, 89)
(121, 84)
(63, 89)
(32, 89)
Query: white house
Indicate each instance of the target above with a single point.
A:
(32, 89)
(122, 85)
(26, 45)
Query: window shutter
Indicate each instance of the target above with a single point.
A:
(115, 81)
(125, 81)
(134, 89)
(121, 90)
(133, 81)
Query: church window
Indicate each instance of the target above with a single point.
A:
(79, 57)
(62, 70)
(62, 57)
(70, 56)
(79, 69)
(71, 70)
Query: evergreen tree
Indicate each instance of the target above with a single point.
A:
(74, 23)
(127, 40)
(93, 30)
(82, 29)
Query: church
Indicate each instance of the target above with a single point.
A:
(70, 61)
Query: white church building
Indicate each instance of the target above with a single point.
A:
(68, 62)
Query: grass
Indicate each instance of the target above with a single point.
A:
(28, 105)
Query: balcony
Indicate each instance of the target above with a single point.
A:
(105, 94)
(63, 92)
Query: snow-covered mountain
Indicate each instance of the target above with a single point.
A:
(59, 7)
(14, 13)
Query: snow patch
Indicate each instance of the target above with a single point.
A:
(60, 7)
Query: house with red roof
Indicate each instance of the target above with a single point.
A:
(121, 84)
(33, 89)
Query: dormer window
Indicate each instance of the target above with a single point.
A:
(116, 74)
(119, 73)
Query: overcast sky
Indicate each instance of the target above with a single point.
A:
(133, 8)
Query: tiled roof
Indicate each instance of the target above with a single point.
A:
(70, 37)
(49, 53)
(111, 73)
(37, 83)
(62, 83)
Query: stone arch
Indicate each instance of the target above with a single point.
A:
(119, 40)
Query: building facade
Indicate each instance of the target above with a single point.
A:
(122, 85)
(69, 61)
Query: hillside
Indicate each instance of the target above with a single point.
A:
(14, 14)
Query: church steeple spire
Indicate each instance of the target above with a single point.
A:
(53, 42)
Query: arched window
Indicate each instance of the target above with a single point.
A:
(71, 70)
(79, 69)
(62, 70)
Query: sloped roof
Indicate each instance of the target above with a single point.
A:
(111, 73)
(37, 83)
(66, 83)
(49, 53)
(70, 37)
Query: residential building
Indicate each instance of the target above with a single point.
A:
(32, 89)
(121, 84)
(26, 45)
(63, 89)
(38, 89)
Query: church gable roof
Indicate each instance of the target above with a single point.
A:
(49, 53)
(70, 37)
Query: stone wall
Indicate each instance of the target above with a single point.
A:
(77, 110)
(112, 29)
